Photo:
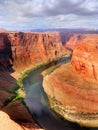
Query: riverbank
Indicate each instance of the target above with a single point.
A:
(72, 97)
(69, 113)
(36, 100)
(18, 115)
(15, 94)
(20, 93)
(20, 51)
(11, 100)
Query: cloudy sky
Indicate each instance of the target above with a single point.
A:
(35, 14)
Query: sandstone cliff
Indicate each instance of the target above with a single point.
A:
(21, 50)
(74, 86)
(13, 115)
(18, 52)
(85, 58)
(74, 40)
(6, 123)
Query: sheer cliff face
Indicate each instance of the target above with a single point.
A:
(85, 58)
(75, 85)
(22, 49)
(74, 40)
(5, 51)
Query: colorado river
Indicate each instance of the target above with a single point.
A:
(37, 102)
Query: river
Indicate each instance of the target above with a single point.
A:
(37, 102)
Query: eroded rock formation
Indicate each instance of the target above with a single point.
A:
(73, 88)
(74, 40)
(85, 58)
(6, 123)
(13, 115)
(18, 52)
(23, 49)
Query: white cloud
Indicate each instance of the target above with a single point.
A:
(48, 13)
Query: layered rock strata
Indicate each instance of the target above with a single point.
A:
(85, 58)
(18, 52)
(73, 88)
(17, 48)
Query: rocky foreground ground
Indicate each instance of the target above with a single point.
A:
(13, 114)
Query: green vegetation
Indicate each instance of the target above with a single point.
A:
(19, 90)
(19, 94)
(68, 53)
(81, 118)
(48, 71)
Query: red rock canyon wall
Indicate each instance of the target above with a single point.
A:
(22, 49)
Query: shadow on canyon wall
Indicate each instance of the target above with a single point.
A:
(15, 110)
(6, 58)
(64, 37)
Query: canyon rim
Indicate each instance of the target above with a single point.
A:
(48, 65)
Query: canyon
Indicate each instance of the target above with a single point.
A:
(74, 85)
(17, 48)
(19, 52)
